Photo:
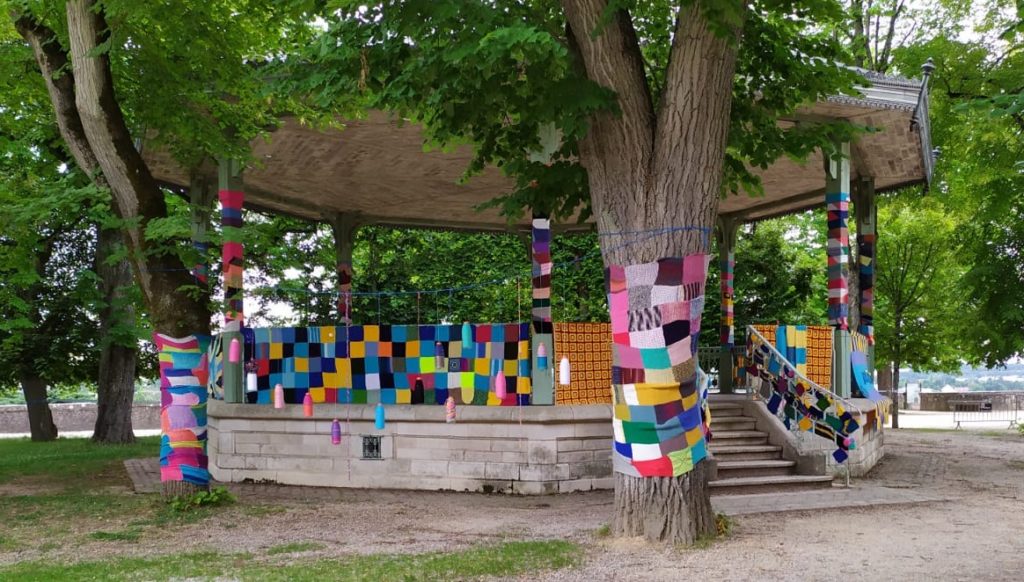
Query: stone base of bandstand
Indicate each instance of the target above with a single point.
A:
(530, 450)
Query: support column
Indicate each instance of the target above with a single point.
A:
(837, 200)
(867, 216)
(200, 194)
(727, 229)
(232, 197)
(543, 329)
(344, 226)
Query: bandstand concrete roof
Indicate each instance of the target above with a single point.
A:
(379, 168)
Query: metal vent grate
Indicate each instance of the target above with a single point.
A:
(371, 447)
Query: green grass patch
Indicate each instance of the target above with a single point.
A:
(8, 543)
(507, 559)
(295, 548)
(604, 531)
(72, 462)
(128, 535)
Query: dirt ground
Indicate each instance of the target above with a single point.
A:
(977, 535)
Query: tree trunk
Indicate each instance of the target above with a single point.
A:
(664, 508)
(656, 172)
(93, 126)
(40, 419)
(116, 387)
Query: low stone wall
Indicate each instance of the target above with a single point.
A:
(943, 401)
(78, 416)
(812, 453)
(529, 450)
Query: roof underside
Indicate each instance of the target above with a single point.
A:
(379, 169)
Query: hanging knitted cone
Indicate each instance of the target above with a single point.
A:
(335, 432)
(378, 419)
(438, 357)
(500, 388)
(307, 405)
(250, 382)
(235, 351)
(417, 392)
(542, 357)
(449, 410)
(467, 335)
(563, 371)
(278, 396)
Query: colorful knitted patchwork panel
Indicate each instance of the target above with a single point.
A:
(797, 401)
(541, 275)
(727, 335)
(818, 350)
(183, 375)
(231, 252)
(791, 341)
(366, 364)
(589, 349)
(838, 205)
(657, 420)
(862, 377)
(866, 259)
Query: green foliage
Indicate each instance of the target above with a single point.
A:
(501, 76)
(978, 175)
(779, 276)
(723, 524)
(216, 497)
(918, 317)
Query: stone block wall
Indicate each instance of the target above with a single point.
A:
(528, 450)
(77, 416)
(943, 401)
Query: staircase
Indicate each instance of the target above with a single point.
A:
(747, 463)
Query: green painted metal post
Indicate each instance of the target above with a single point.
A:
(232, 197)
(727, 229)
(837, 200)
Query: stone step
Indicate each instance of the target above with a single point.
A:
(738, 437)
(732, 423)
(777, 484)
(761, 468)
(730, 452)
(726, 409)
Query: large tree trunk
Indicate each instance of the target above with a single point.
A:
(40, 419)
(93, 126)
(658, 172)
(116, 388)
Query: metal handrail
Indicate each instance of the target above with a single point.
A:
(849, 404)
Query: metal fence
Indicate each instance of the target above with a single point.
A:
(974, 409)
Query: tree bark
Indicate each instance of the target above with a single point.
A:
(40, 419)
(652, 170)
(116, 386)
(93, 127)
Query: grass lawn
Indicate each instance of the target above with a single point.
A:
(72, 497)
(506, 559)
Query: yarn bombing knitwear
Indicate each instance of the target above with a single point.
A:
(655, 319)
(183, 377)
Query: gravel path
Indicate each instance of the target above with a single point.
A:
(979, 535)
